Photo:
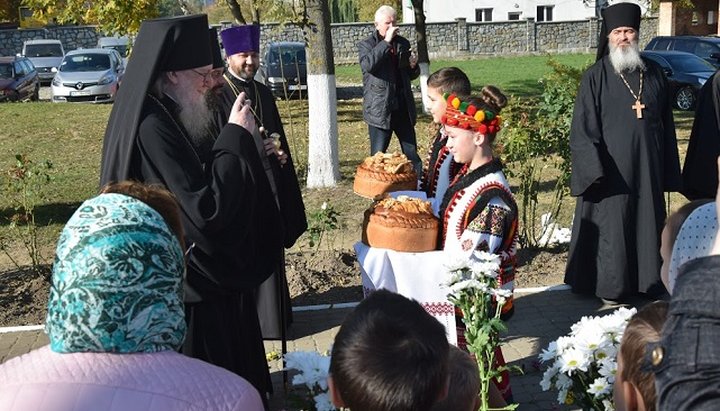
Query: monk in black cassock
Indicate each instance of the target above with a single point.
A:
(699, 175)
(156, 133)
(624, 156)
(242, 44)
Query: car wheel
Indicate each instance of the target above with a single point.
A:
(685, 98)
(36, 94)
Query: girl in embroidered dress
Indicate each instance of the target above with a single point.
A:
(478, 210)
(441, 169)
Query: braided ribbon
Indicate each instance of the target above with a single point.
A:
(467, 116)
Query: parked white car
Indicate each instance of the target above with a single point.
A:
(88, 75)
(46, 55)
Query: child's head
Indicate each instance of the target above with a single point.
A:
(471, 125)
(635, 388)
(389, 355)
(669, 235)
(464, 383)
(445, 80)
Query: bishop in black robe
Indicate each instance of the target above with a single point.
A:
(699, 175)
(273, 297)
(621, 165)
(227, 206)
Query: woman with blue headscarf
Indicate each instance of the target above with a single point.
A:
(116, 319)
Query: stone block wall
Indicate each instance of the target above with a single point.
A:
(445, 40)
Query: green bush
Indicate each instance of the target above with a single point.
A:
(536, 138)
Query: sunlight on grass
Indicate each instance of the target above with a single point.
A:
(70, 136)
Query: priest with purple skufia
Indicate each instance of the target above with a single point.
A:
(242, 46)
(624, 156)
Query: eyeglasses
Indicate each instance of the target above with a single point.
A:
(213, 74)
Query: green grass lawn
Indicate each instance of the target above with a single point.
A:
(70, 136)
(514, 75)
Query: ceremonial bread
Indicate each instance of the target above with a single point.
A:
(401, 224)
(384, 173)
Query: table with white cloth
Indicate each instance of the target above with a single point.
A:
(419, 276)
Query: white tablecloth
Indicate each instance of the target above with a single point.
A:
(415, 275)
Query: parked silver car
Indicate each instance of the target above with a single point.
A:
(88, 75)
(45, 55)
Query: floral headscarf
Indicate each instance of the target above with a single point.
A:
(117, 280)
(694, 240)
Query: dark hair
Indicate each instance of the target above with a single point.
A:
(450, 80)
(492, 99)
(643, 328)
(157, 197)
(389, 355)
(464, 382)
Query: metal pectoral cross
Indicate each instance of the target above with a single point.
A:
(638, 107)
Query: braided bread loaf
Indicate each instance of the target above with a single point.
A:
(384, 173)
(401, 224)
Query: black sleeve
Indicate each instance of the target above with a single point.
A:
(585, 138)
(372, 57)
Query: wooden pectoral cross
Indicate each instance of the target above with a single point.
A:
(638, 107)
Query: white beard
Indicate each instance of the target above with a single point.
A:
(626, 58)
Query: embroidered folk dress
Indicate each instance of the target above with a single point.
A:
(441, 169)
(479, 213)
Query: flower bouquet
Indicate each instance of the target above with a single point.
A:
(474, 289)
(313, 369)
(583, 364)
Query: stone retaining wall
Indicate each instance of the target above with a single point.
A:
(445, 40)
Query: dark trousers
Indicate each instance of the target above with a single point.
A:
(405, 131)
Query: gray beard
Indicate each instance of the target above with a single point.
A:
(196, 117)
(626, 58)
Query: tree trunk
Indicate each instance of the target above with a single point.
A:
(422, 51)
(323, 165)
(236, 11)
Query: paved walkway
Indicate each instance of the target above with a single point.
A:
(540, 317)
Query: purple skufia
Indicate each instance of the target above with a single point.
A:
(241, 39)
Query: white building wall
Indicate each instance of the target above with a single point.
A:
(563, 10)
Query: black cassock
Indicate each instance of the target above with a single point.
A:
(621, 165)
(227, 213)
(699, 175)
(273, 297)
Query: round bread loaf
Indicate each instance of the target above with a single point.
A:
(402, 224)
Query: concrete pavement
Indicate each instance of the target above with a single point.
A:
(540, 317)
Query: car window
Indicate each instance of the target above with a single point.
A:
(292, 55)
(6, 70)
(29, 68)
(684, 45)
(19, 69)
(85, 62)
(689, 64)
(659, 60)
(119, 48)
(661, 44)
(43, 50)
(703, 49)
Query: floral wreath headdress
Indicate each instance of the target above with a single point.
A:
(469, 117)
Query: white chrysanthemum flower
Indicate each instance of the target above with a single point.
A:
(485, 257)
(563, 382)
(609, 406)
(607, 368)
(599, 387)
(590, 339)
(457, 262)
(549, 353)
(572, 360)
(323, 403)
(548, 376)
(562, 396)
(563, 344)
(466, 285)
(312, 368)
